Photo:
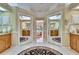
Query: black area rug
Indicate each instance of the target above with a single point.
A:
(39, 50)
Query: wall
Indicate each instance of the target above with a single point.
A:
(66, 26)
(65, 31)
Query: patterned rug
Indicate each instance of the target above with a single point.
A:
(39, 50)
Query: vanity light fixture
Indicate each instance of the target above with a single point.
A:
(2, 9)
(25, 17)
(55, 17)
(52, 17)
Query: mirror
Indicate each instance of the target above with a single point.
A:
(39, 30)
(53, 28)
(5, 26)
(26, 27)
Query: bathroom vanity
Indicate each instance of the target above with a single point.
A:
(74, 36)
(5, 41)
(74, 41)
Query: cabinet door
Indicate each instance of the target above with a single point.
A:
(78, 44)
(8, 40)
(71, 37)
(8, 43)
(73, 41)
(2, 45)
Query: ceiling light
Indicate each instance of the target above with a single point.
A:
(2, 9)
(52, 17)
(76, 7)
(40, 21)
(13, 4)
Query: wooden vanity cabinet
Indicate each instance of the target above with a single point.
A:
(5, 42)
(2, 44)
(77, 45)
(74, 42)
(8, 40)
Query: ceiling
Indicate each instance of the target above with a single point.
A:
(39, 9)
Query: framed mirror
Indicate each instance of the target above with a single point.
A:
(53, 28)
(26, 29)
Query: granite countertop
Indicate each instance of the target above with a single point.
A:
(75, 33)
(3, 33)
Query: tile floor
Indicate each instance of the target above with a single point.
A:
(18, 49)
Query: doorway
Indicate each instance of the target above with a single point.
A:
(39, 31)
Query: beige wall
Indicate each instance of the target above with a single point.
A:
(66, 34)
